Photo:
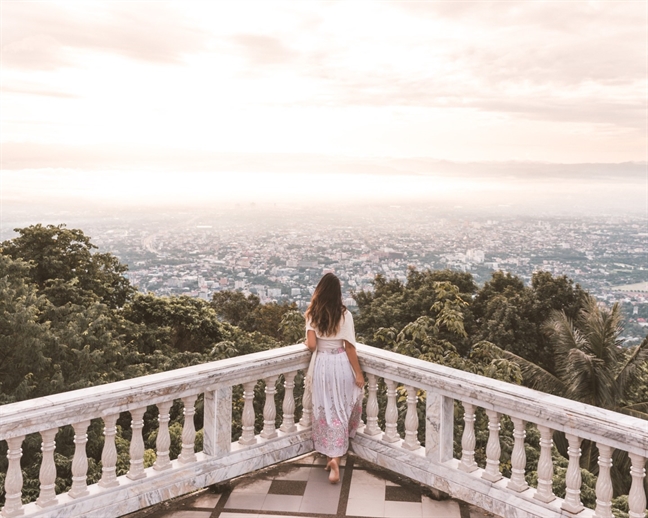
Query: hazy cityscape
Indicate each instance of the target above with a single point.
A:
(279, 253)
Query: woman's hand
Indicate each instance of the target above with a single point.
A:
(360, 381)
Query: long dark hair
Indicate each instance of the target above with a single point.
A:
(326, 308)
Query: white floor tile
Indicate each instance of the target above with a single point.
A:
(250, 501)
(295, 474)
(374, 489)
(404, 510)
(191, 514)
(442, 508)
(365, 507)
(364, 477)
(238, 515)
(260, 486)
(286, 503)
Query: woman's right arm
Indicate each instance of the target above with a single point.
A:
(311, 340)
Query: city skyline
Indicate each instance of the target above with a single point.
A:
(128, 102)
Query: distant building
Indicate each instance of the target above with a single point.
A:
(475, 256)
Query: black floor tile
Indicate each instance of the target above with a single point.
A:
(402, 494)
(287, 487)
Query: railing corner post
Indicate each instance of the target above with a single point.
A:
(439, 426)
(217, 438)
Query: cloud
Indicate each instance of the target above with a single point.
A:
(562, 61)
(34, 89)
(263, 50)
(44, 36)
(32, 156)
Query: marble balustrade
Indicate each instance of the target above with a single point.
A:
(435, 464)
(406, 379)
(220, 460)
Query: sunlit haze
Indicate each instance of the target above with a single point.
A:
(153, 103)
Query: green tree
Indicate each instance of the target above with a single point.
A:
(591, 364)
(66, 268)
(292, 327)
(395, 305)
(511, 315)
(23, 338)
(234, 307)
(592, 367)
(249, 314)
(184, 323)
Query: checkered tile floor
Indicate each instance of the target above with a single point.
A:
(300, 489)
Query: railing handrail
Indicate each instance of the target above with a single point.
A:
(28, 416)
(586, 421)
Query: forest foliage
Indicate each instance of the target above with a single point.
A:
(69, 318)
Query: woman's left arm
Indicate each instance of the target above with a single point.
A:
(311, 340)
(355, 364)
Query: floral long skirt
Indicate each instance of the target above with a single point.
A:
(337, 402)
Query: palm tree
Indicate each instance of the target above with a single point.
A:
(591, 364)
(593, 367)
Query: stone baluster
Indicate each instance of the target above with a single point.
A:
(493, 448)
(468, 440)
(372, 427)
(14, 479)
(637, 495)
(411, 441)
(80, 461)
(188, 453)
(544, 492)
(269, 409)
(518, 457)
(109, 452)
(391, 413)
(307, 409)
(572, 502)
(163, 441)
(47, 473)
(136, 470)
(288, 408)
(247, 419)
(604, 482)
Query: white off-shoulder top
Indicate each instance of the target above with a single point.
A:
(345, 332)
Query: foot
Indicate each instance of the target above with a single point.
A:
(334, 476)
(328, 466)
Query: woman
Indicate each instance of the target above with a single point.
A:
(337, 378)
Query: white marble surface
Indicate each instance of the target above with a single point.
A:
(586, 421)
(469, 487)
(181, 479)
(70, 407)
(228, 460)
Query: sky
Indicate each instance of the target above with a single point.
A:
(205, 100)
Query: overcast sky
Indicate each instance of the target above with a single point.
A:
(89, 88)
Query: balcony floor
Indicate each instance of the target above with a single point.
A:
(300, 489)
